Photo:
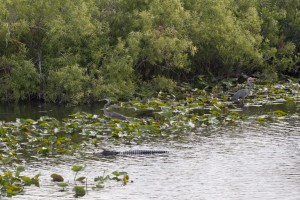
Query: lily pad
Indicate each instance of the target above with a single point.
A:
(57, 178)
(79, 191)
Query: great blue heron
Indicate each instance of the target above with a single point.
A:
(242, 93)
(113, 114)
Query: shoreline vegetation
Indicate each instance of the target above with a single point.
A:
(81, 51)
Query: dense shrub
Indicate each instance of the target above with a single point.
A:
(66, 85)
(82, 50)
(19, 79)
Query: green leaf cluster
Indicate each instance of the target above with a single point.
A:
(13, 183)
(82, 50)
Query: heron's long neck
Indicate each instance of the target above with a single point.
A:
(250, 86)
(105, 107)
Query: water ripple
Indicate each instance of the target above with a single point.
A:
(250, 161)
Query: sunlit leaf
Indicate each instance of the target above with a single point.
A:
(27, 180)
(8, 173)
(29, 121)
(77, 168)
(125, 179)
(13, 189)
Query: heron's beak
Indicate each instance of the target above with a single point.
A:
(253, 80)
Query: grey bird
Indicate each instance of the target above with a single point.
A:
(113, 114)
(242, 93)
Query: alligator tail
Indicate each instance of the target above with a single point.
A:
(129, 152)
(142, 152)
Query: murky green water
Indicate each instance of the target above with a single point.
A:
(9, 112)
(248, 161)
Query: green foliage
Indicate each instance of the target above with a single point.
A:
(77, 168)
(18, 79)
(279, 113)
(57, 178)
(163, 36)
(13, 184)
(75, 36)
(100, 180)
(124, 178)
(161, 83)
(227, 37)
(116, 176)
(281, 34)
(66, 85)
(79, 191)
(63, 185)
(115, 78)
(80, 51)
(81, 179)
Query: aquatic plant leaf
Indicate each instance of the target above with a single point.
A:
(102, 178)
(61, 140)
(8, 174)
(62, 184)
(115, 135)
(29, 121)
(27, 180)
(100, 185)
(2, 130)
(77, 168)
(280, 113)
(6, 160)
(80, 179)
(52, 139)
(57, 178)
(117, 173)
(291, 99)
(20, 168)
(43, 150)
(12, 189)
(125, 179)
(35, 180)
(116, 178)
(261, 119)
(214, 112)
(79, 191)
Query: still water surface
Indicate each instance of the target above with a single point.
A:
(249, 161)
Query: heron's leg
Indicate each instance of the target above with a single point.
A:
(242, 102)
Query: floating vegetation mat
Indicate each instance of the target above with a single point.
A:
(166, 116)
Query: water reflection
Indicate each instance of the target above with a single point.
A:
(9, 112)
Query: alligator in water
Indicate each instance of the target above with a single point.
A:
(129, 152)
